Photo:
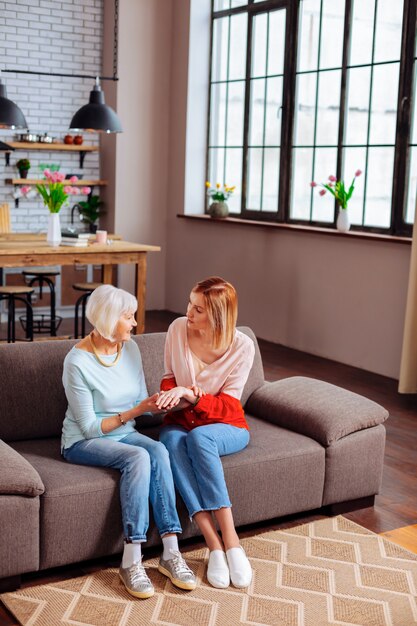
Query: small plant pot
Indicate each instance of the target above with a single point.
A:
(92, 228)
(23, 173)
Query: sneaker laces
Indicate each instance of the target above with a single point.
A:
(179, 564)
(138, 574)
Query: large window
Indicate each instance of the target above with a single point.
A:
(300, 90)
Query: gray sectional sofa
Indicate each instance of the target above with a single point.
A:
(312, 445)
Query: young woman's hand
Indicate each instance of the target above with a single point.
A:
(169, 399)
(197, 391)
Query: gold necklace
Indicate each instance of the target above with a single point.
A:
(96, 354)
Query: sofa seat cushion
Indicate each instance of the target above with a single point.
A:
(280, 472)
(80, 515)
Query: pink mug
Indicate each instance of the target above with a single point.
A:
(101, 236)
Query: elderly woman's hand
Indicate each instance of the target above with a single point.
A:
(167, 400)
(148, 405)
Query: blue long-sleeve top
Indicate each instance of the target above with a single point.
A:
(95, 392)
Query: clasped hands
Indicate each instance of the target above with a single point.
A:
(168, 400)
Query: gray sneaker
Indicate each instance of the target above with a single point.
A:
(178, 571)
(136, 580)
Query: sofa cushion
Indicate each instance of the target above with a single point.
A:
(315, 408)
(17, 476)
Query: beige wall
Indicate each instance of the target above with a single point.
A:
(340, 298)
(140, 158)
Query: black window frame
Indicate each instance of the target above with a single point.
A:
(398, 226)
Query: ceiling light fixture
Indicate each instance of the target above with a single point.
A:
(96, 116)
(10, 114)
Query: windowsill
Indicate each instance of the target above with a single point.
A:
(298, 228)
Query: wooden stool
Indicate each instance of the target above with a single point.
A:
(22, 294)
(87, 289)
(43, 277)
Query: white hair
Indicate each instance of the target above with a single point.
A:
(105, 307)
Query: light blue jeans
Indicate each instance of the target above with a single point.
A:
(145, 475)
(196, 465)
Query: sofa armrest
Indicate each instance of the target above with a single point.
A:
(17, 476)
(314, 408)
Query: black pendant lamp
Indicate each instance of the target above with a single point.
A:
(10, 114)
(96, 116)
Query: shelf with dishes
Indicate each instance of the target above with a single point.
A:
(59, 147)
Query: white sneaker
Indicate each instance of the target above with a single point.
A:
(239, 567)
(218, 570)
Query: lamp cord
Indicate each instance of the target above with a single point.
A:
(116, 39)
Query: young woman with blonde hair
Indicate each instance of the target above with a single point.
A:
(207, 363)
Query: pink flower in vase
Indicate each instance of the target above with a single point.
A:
(322, 192)
(25, 189)
(86, 190)
(68, 190)
(358, 173)
(332, 178)
(313, 184)
(73, 179)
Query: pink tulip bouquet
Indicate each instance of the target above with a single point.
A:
(55, 193)
(337, 189)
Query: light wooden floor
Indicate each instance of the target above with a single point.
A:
(405, 537)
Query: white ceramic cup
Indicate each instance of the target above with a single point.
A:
(101, 236)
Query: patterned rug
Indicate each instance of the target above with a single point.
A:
(330, 571)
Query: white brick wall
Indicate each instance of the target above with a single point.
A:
(48, 35)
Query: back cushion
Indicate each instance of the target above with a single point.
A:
(32, 398)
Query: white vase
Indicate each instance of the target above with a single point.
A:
(54, 230)
(343, 223)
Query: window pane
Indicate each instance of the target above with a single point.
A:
(254, 178)
(216, 165)
(259, 30)
(388, 30)
(276, 42)
(324, 166)
(332, 27)
(362, 32)
(238, 3)
(379, 187)
(328, 108)
(235, 113)
(384, 103)
(301, 178)
(273, 111)
(414, 116)
(217, 114)
(309, 35)
(359, 81)
(412, 187)
(305, 109)
(256, 112)
(220, 46)
(238, 34)
(234, 177)
(271, 179)
(355, 159)
(220, 5)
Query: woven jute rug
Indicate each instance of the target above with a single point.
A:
(330, 571)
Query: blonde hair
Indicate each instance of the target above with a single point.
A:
(105, 307)
(221, 303)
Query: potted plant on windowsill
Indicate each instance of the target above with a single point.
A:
(219, 195)
(23, 165)
(342, 194)
(90, 211)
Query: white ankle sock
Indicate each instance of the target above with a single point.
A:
(239, 566)
(218, 570)
(169, 542)
(132, 553)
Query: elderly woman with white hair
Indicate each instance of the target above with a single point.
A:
(105, 388)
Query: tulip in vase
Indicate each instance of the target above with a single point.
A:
(338, 190)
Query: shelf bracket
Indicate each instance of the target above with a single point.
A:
(7, 158)
(82, 157)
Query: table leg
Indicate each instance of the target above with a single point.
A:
(107, 274)
(141, 292)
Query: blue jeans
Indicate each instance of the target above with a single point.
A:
(145, 475)
(196, 465)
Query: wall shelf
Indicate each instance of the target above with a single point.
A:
(50, 147)
(36, 181)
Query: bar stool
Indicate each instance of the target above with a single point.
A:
(44, 277)
(21, 294)
(87, 289)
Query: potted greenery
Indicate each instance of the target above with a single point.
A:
(23, 165)
(89, 211)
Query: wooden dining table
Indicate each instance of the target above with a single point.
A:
(26, 250)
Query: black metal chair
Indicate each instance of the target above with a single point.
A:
(87, 289)
(15, 294)
(43, 323)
